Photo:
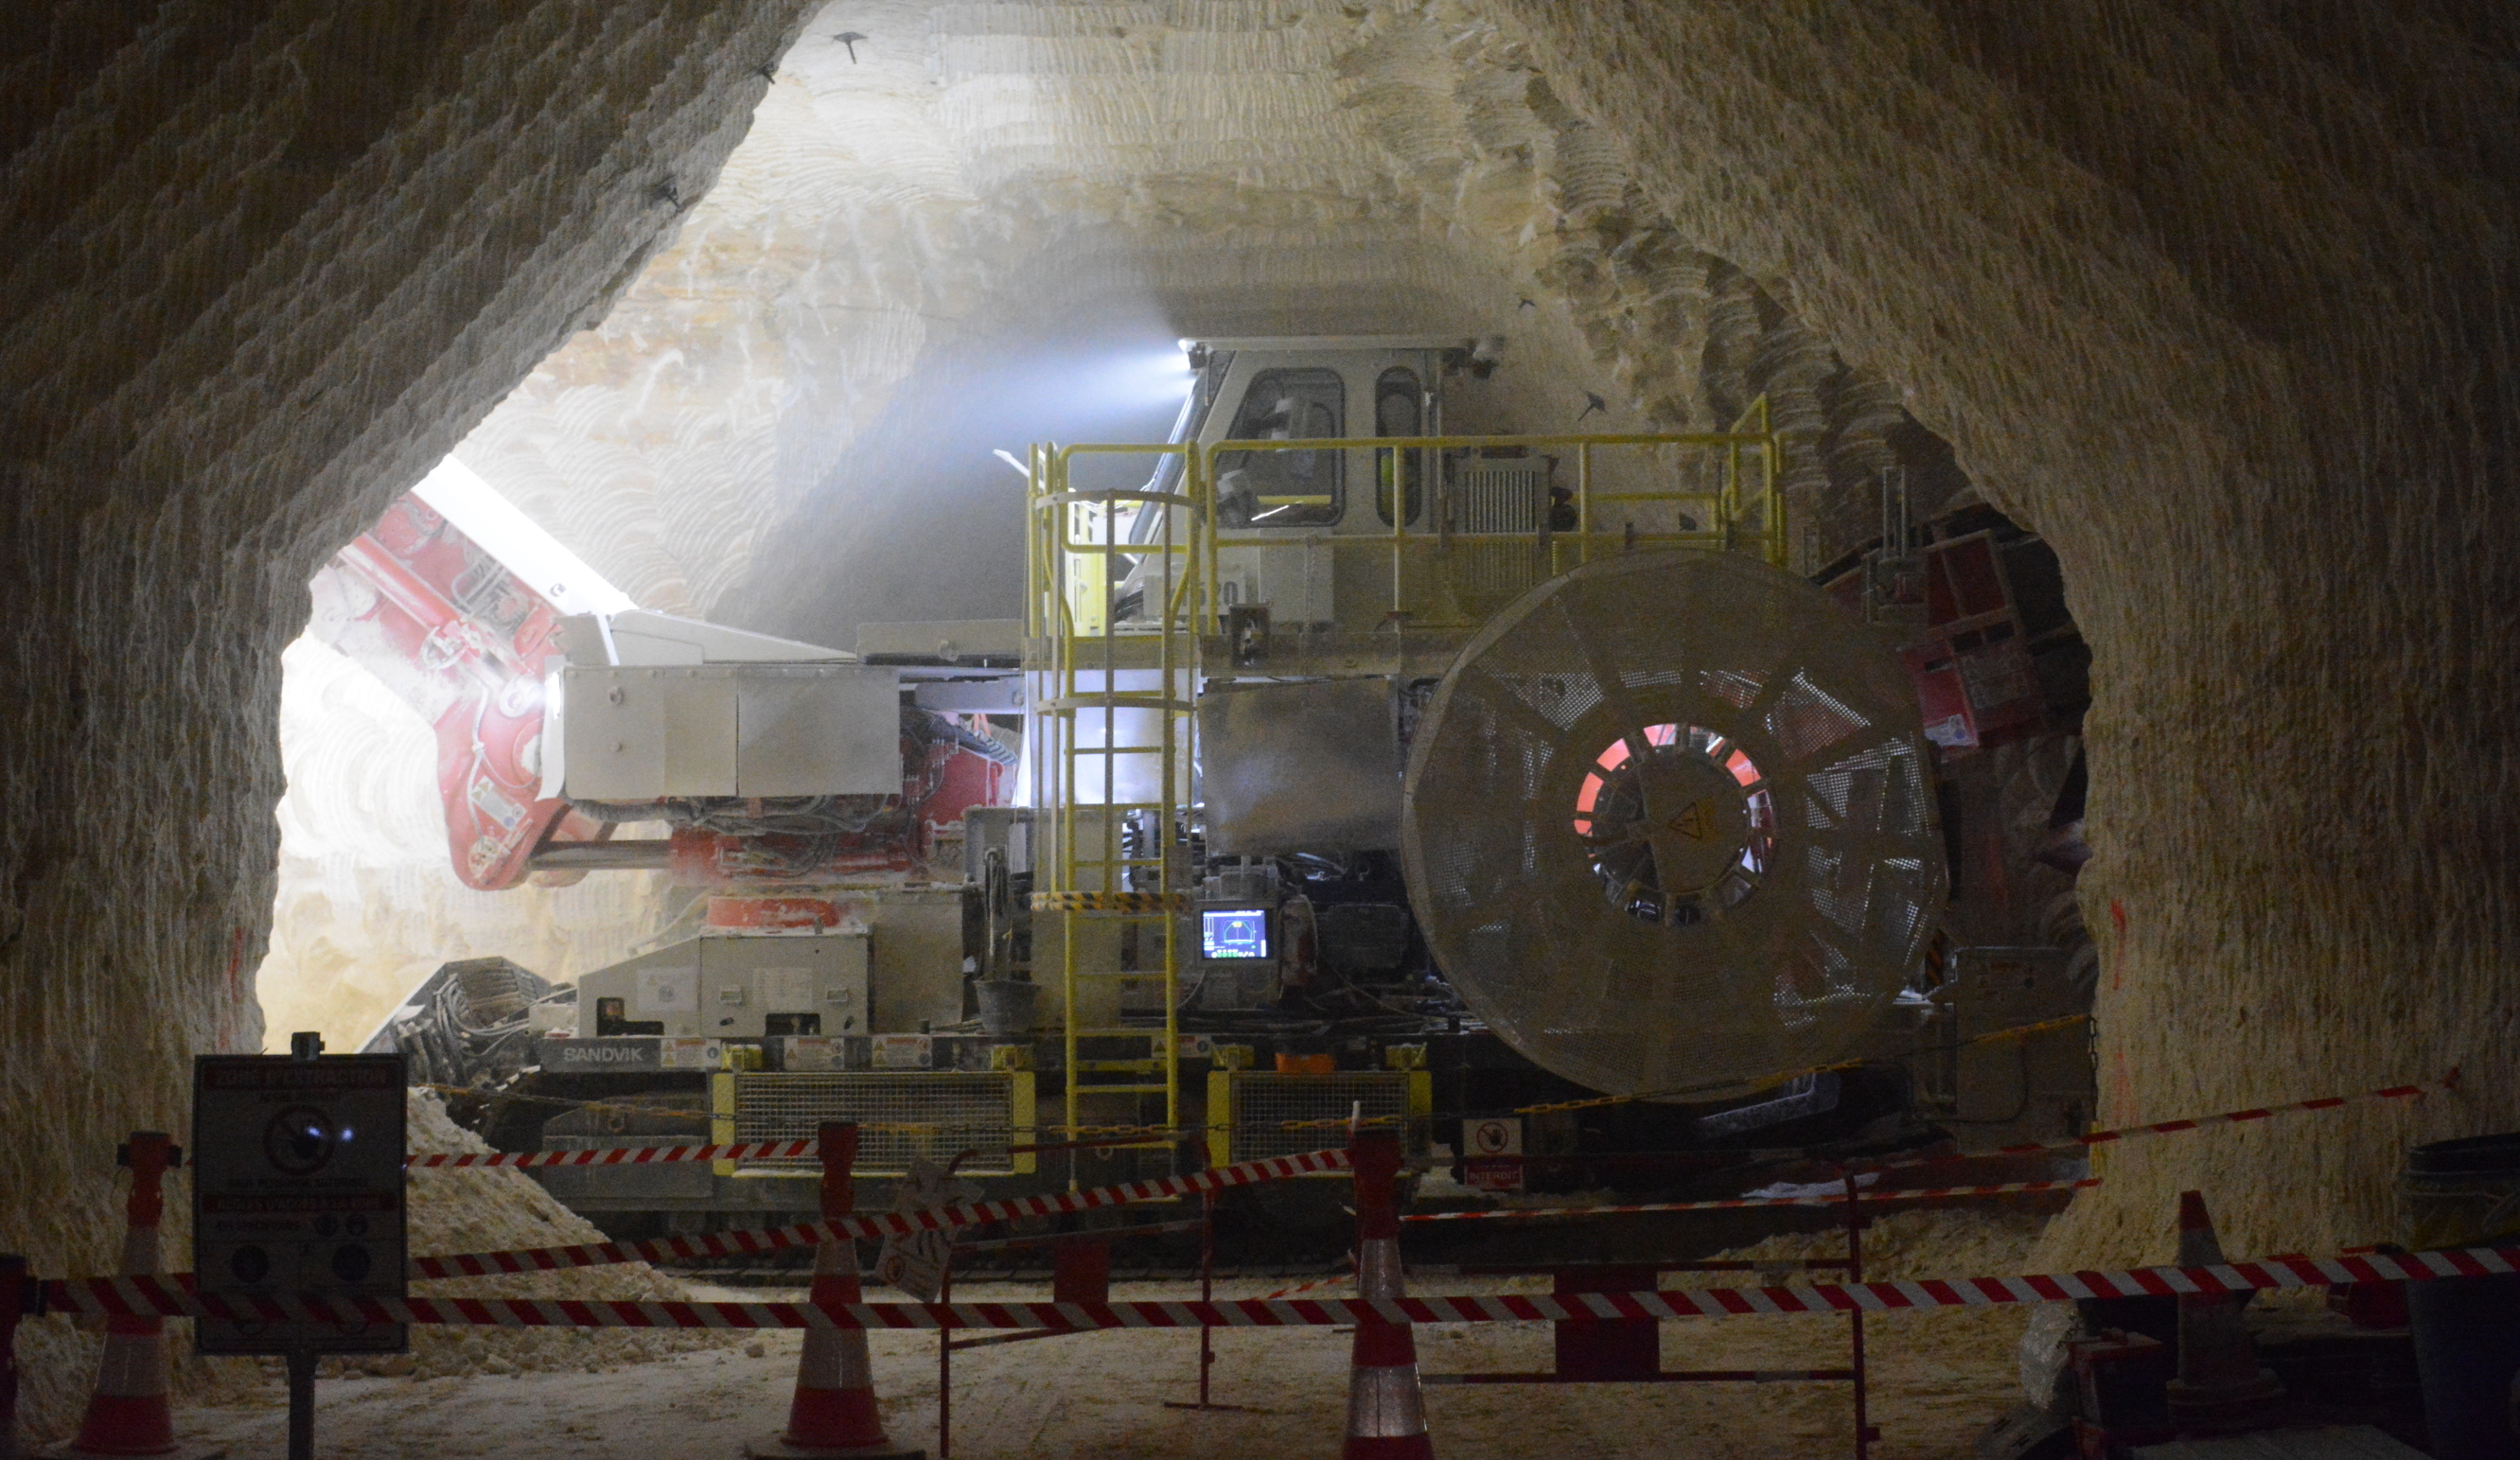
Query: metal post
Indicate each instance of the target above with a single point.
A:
(13, 1307)
(1584, 503)
(1399, 517)
(301, 1405)
(1206, 1287)
(1207, 1295)
(945, 1359)
(1855, 1317)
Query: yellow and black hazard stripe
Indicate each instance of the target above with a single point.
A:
(1110, 901)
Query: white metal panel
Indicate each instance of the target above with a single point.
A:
(725, 986)
(614, 736)
(819, 730)
(661, 987)
(945, 639)
(1300, 768)
(784, 973)
(648, 648)
(639, 637)
(716, 729)
(1294, 579)
(703, 730)
(1002, 695)
(916, 948)
(553, 745)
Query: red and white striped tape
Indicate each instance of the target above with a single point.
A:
(750, 1150)
(1871, 1198)
(2092, 1138)
(1332, 1281)
(173, 1297)
(790, 1150)
(2081, 1142)
(874, 1224)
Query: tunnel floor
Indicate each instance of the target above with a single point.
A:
(1938, 1377)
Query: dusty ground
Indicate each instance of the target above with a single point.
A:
(1938, 1377)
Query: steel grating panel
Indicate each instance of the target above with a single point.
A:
(904, 1114)
(1500, 496)
(1264, 1101)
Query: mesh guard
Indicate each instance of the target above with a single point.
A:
(1555, 927)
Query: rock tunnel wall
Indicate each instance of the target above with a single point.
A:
(2222, 299)
(2218, 297)
(266, 262)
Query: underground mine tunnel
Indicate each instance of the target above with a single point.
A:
(1500, 652)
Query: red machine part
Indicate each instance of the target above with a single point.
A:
(773, 914)
(1975, 682)
(944, 775)
(947, 778)
(465, 642)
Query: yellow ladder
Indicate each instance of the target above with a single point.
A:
(1113, 706)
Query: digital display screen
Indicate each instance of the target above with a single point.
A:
(1233, 933)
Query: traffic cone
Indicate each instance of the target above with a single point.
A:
(833, 1412)
(128, 1414)
(1387, 1412)
(2221, 1386)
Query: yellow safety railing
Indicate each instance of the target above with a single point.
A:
(1087, 712)
(1741, 510)
(1112, 699)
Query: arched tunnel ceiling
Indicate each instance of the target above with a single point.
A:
(977, 200)
(2220, 297)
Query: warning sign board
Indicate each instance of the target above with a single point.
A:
(297, 1192)
(1492, 1153)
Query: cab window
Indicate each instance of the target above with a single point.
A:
(1283, 488)
(1398, 475)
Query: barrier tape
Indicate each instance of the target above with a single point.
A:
(142, 1296)
(1870, 1199)
(758, 1150)
(752, 1150)
(790, 1150)
(874, 1224)
(1332, 1281)
(2090, 1139)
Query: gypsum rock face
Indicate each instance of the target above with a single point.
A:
(267, 265)
(2204, 299)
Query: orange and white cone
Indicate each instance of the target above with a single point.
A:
(833, 1412)
(2221, 1386)
(1386, 1410)
(128, 1414)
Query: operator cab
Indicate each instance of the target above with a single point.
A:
(1281, 511)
